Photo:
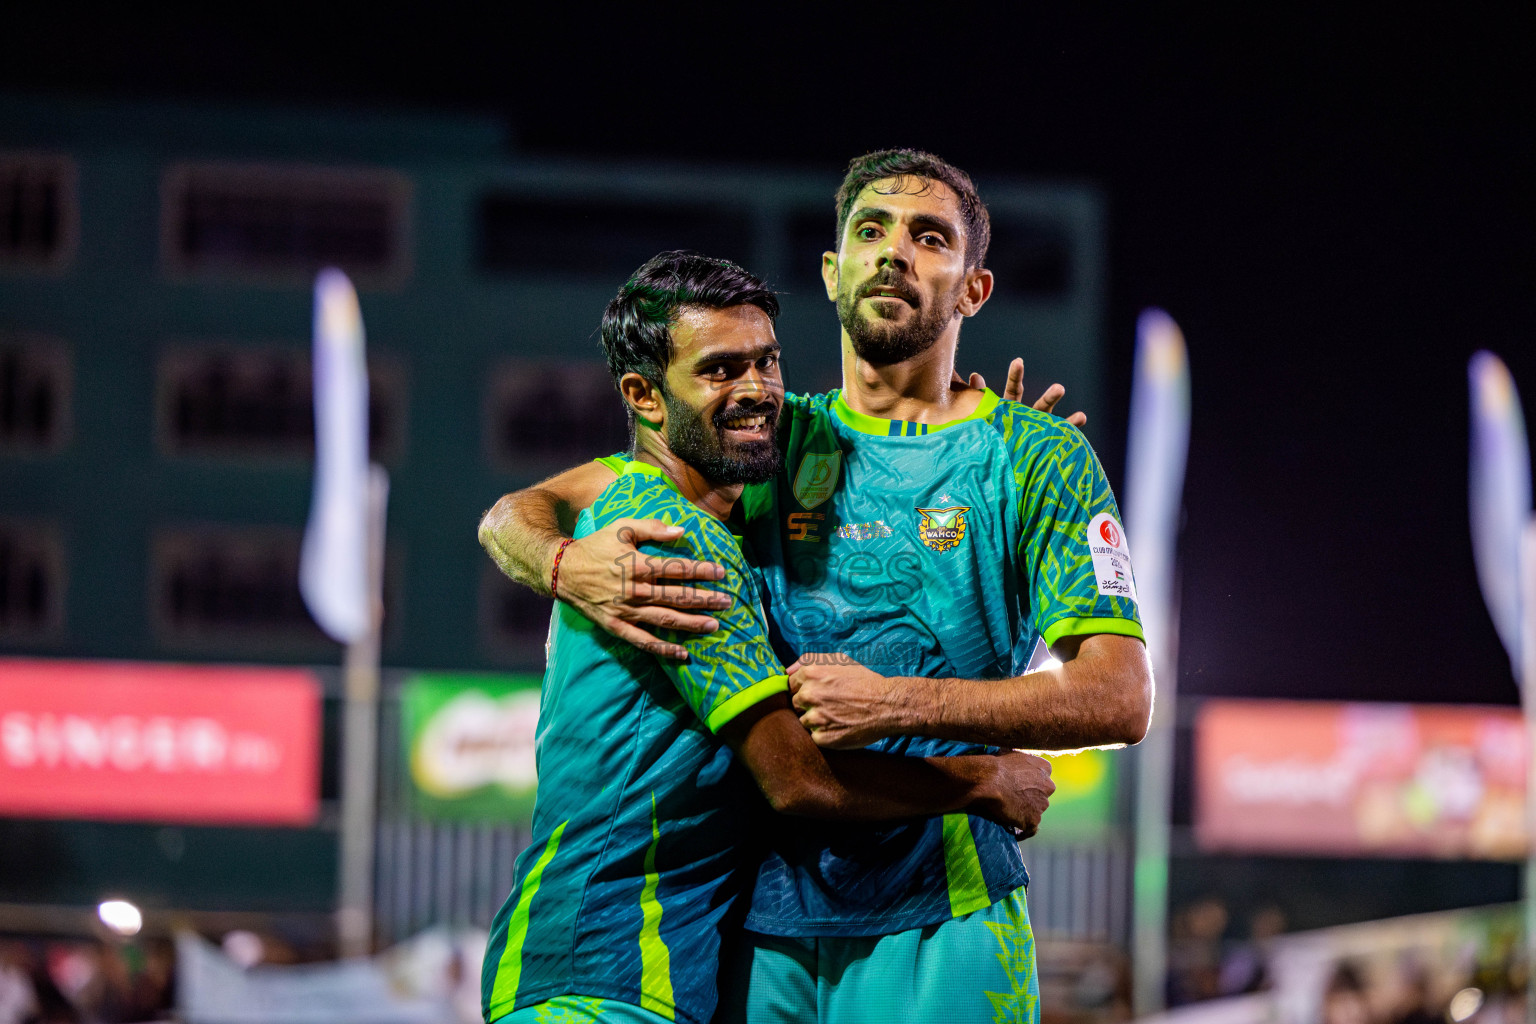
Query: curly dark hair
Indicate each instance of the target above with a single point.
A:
(637, 324)
(901, 164)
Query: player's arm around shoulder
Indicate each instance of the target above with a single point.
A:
(526, 530)
(522, 530)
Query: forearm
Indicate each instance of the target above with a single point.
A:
(524, 529)
(522, 532)
(1085, 702)
(799, 778)
(862, 786)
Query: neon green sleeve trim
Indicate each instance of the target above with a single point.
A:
(1087, 627)
(614, 462)
(738, 702)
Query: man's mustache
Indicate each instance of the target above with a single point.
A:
(766, 409)
(891, 281)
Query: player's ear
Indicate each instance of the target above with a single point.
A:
(644, 400)
(829, 274)
(977, 290)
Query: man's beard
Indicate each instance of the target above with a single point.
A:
(717, 458)
(883, 342)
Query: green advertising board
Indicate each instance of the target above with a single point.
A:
(1083, 806)
(470, 744)
(469, 740)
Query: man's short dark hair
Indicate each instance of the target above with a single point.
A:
(637, 325)
(902, 164)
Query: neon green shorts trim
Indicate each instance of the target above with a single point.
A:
(581, 1010)
(975, 969)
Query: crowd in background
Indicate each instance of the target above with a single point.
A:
(85, 981)
(1478, 977)
(1474, 972)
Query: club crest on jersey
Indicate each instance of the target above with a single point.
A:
(942, 528)
(817, 478)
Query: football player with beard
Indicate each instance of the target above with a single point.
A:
(920, 539)
(640, 833)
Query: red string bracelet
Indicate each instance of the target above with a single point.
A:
(554, 572)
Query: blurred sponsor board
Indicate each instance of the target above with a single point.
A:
(1360, 779)
(470, 740)
(189, 744)
(1084, 804)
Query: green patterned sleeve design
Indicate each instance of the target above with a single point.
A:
(733, 668)
(1072, 549)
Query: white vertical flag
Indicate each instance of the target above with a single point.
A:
(1154, 474)
(1154, 488)
(1499, 493)
(333, 571)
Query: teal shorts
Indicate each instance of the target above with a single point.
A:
(581, 1010)
(976, 969)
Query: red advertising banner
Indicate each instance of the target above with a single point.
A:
(1360, 779)
(128, 741)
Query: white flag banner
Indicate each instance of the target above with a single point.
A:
(1156, 451)
(212, 989)
(333, 571)
(1499, 492)
(1155, 455)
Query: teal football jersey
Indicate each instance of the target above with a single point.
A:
(918, 550)
(637, 849)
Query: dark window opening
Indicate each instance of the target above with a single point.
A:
(231, 582)
(266, 220)
(261, 402)
(543, 413)
(603, 239)
(35, 200)
(31, 581)
(239, 587)
(34, 390)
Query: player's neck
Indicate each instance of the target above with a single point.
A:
(716, 499)
(920, 390)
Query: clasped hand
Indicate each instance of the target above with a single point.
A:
(842, 703)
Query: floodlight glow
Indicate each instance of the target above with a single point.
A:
(120, 916)
(1464, 1004)
(1048, 664)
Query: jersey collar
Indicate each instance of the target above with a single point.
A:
(646, 469)
(633, 468)
(867, 424)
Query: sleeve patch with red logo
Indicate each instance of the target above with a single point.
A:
(1111, 557)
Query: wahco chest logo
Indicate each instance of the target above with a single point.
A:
(817, 478)
(942, 528)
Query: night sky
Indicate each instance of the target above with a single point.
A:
(1338, 208)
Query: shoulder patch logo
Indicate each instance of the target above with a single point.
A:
(817, 478)
(1111, 557)
(942, 528)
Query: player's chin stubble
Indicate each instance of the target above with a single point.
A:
(722, 461)
(882, 341)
